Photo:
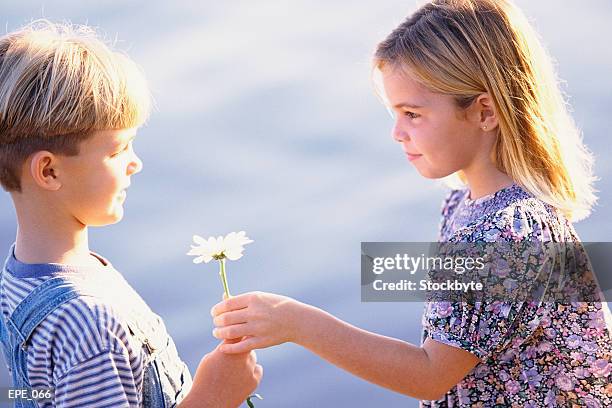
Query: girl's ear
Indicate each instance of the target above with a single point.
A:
(44, 172)
(486, 112)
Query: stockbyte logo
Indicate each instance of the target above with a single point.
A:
(502, 271)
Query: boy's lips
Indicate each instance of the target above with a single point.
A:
(123, 193)
(413, 156)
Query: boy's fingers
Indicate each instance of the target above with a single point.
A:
(233, 303)
(258, 371)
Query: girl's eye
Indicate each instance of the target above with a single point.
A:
(411, 114)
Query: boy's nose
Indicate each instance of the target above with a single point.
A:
(135, 166)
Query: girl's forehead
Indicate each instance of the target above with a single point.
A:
(398, 87)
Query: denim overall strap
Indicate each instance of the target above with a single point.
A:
(28, 314)
(16, 330)
(39, 304)
(4, 333)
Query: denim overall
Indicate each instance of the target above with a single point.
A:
(165, 380)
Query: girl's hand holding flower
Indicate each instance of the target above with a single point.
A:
(260, 319)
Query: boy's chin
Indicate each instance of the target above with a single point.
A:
(110, 219)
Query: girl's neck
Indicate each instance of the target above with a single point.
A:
(486, 181)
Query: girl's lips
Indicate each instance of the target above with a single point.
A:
(412, 157)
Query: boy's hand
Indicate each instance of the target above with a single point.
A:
(223, 380)
(258, 319)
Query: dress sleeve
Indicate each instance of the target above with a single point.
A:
(447, 207)
(482, 328)
(491, 325)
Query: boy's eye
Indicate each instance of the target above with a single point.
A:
(127, 146)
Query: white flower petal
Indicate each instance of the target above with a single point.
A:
(244, 238)
(196, 251)
(233, 254)
(198, 239)
(234, 239)
(204, 258)
(231, 246)
(215, 245)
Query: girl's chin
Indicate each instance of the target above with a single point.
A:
(433, 174)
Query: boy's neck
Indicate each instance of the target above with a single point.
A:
(49, 239)
(37, 249)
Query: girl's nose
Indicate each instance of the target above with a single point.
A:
(398, 134)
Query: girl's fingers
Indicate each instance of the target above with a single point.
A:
(229, 318)
(234, 331)
(243, 346)
(233, 303)
(230, 341)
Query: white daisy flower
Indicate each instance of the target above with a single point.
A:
(231, 247)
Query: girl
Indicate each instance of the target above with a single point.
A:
(475, 97)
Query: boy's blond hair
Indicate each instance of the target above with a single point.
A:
(464, 48)
(59, 83)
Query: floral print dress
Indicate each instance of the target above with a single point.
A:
(532, 354)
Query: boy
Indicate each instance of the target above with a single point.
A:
(69, 110)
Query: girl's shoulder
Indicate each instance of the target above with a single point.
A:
(450, 202)
(510, 214)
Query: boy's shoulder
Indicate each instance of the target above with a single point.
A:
(86, 311)
(105, 314)
(72, 332)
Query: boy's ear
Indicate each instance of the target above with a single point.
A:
(487, 112)
(44, 172)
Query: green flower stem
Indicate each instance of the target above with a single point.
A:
(224, 277)
(250, 403)
(227, 295)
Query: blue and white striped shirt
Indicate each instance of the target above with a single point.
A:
(85, 349)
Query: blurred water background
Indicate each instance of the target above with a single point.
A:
(266, 121)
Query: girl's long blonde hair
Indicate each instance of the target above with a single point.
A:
(464, 48)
